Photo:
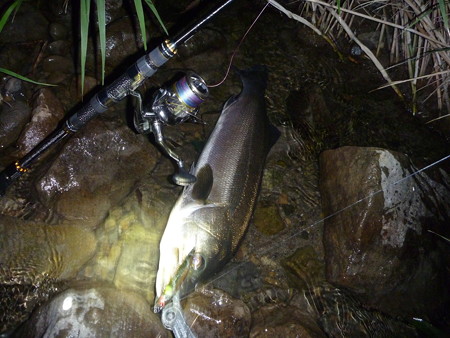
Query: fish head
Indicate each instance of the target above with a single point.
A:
(192, 246)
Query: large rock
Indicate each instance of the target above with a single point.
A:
(94, 312)
(95, 170)
(123, 39)
(377, 242)
(46, 114)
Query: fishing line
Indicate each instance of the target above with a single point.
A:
(277, 242)
(237, 48)
(355, 203)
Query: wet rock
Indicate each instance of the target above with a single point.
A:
(283, 321)
(46, 114)
(56, 78)
(59, 47)
(58, 31)
(89, 84)
(95, 170)
(13, 117)
(122, 41)
(380, 247)
(113, 10)
(61, 9)
(94, 312)
(57, 64)
(11, 88)
(213, 313)
(29, 24)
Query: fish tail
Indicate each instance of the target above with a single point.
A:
(255, 76)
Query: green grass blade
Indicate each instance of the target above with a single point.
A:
(420, 17)
(443, 9)
(85, 6)
(155, 12)
(15, 5)
(141, 18)
(101, 17)
(23, 78)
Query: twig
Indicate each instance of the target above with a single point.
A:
(39, 57)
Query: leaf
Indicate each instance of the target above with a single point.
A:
(141, 18)
(15, 5)
(443, 9)
(23, 78)
(155, 12)
(101, 18)
(420, 17)
(85, 6)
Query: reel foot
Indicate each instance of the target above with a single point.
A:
(183, 178)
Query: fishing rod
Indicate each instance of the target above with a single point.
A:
(123, 86)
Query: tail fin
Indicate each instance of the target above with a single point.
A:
(255, 76)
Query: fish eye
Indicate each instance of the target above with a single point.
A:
(198, 262)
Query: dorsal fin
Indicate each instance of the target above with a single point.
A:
(230, 101)
(202, 187)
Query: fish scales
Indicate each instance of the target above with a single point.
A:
(211, 216)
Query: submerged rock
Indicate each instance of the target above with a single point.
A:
(304, 268)
(284, 321)
(31, 252)
(341, 315)
(213, 313)
(380, 247)
(128, 241)
(238, 279)
(33, 257)
(94, 312)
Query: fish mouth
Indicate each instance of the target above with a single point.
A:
(183, 281)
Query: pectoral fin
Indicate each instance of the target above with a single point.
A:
(203, 186)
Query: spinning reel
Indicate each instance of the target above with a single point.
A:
(172, 105)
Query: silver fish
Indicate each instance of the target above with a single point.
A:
(211, 216)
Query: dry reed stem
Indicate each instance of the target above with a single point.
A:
(385, 22)
(349, 32)
(422, 50)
